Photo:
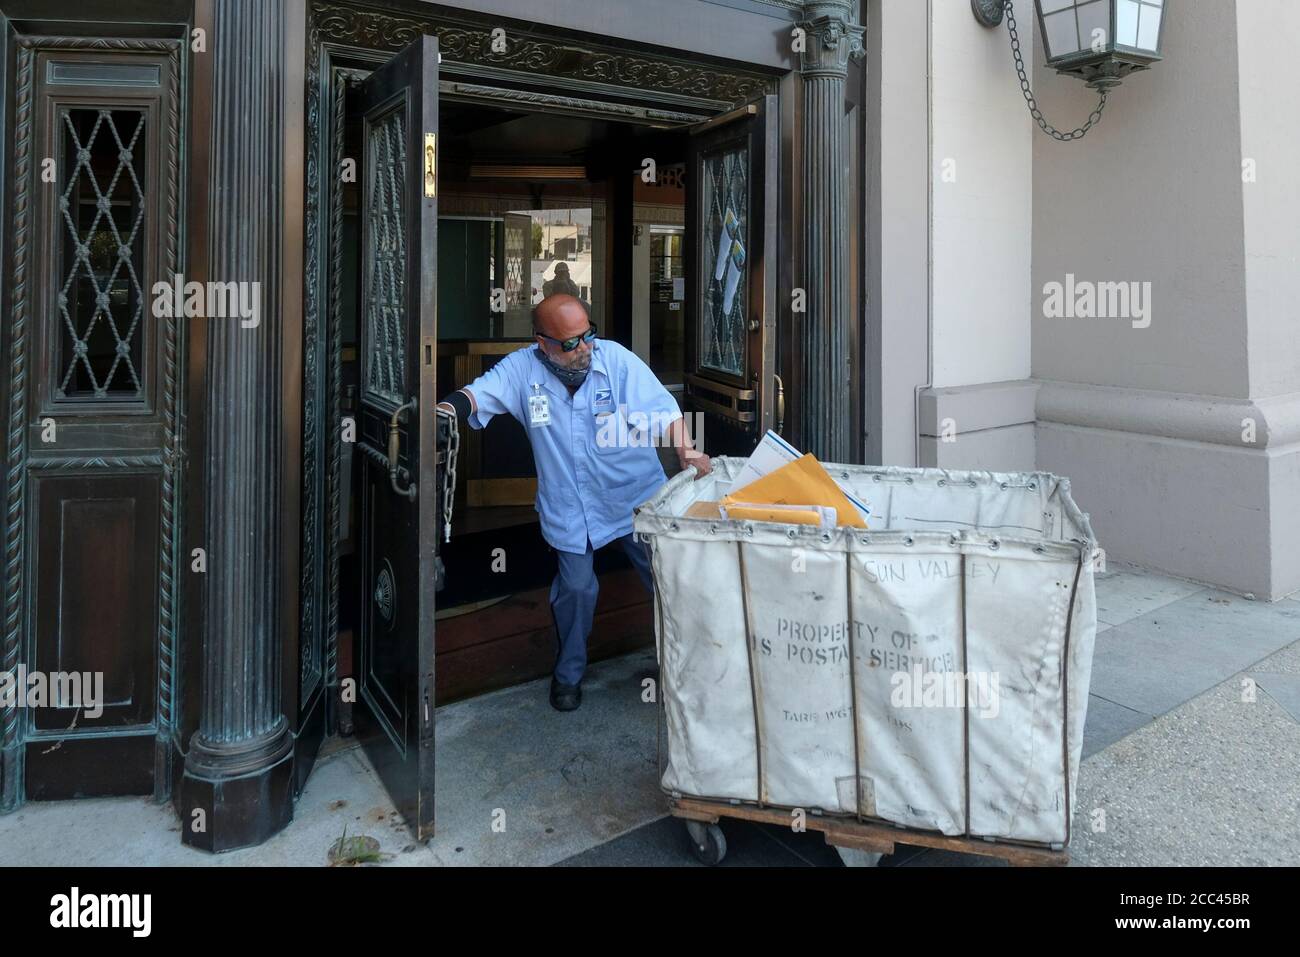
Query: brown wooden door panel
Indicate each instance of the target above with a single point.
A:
(96, 593)
(514, 641)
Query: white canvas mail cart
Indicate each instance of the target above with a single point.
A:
(923, 681)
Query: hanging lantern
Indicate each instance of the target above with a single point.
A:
(1098, 41)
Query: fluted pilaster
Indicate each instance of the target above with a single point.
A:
(237, 765)
(827, 366)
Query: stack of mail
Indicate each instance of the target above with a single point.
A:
(778, 484)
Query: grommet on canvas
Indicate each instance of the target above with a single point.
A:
(942, 482)
(673, 526)
(993, 545)
(826, 538)
(972, 483)
(954, 541)
(907, 540)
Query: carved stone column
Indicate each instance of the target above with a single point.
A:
(825, 417)
(238, 768)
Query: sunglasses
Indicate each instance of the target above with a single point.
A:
(568, 345)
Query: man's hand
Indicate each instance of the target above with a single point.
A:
(703, 464)
(685, 454)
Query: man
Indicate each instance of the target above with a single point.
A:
(594, 413)
(561, 284)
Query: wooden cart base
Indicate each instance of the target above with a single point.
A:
(843, 832)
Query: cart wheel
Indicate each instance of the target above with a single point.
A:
(707, 841)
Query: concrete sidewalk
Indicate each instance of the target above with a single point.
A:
(1192, 757)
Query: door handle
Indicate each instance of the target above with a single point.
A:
(430, 165)
(394, 450)
(780, 403)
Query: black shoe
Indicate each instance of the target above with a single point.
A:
(565, 697)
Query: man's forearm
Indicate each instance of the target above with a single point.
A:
(686, 451)
(461, 402)
(678, 438)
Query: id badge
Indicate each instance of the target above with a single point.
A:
(539, 409)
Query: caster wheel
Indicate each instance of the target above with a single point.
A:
(707, 841)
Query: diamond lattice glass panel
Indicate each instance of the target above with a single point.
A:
(518, 237)
(723, 253)
(385, 305)
(100, 298)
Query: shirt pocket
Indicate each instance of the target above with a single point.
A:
(553, 501)
(621, 430)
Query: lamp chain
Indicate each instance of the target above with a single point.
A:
(1034, 111)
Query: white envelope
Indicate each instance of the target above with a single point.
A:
(772, 453)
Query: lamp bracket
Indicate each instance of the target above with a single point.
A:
(987, 12)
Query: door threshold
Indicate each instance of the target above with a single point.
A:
(444, 613)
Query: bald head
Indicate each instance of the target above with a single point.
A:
(561, 316)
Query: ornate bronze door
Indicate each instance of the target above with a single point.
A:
(91, 542)
(396, 428)
(731, 209)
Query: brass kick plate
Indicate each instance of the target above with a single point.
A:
(430, 165)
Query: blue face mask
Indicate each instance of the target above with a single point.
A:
(570, 377)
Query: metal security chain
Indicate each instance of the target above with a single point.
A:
(1034, 111)
(449, 469)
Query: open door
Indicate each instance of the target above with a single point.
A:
(731, 209)
(396, 427)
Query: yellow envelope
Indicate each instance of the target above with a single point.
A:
(801, 482)
(788, 516)
(703, 509)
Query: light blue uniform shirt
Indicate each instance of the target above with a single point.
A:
(596, 460)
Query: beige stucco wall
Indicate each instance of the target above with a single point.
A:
(1267, 32)
(1182, 438)
(954, 212)
(898, 223)
(1153, 194)
(980, 168)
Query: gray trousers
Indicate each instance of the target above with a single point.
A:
(573, 603)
